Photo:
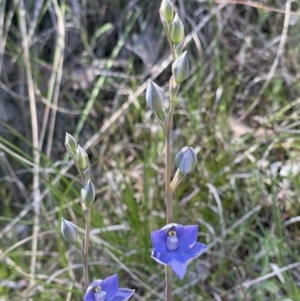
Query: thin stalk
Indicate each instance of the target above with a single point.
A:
(169, 278)
(171, 47)
(168, 170)
(168, 194)
(57, 70)
(35, 140)
(2, 32)
(168, 166)
(87, 215)
(84, 252)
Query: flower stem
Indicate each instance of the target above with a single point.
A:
(171, 47)
(168, 167)
(87, 215)
(168, 194)
(168, 170)
(169, 276)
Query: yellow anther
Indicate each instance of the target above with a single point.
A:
(172, 233)
(97, 289)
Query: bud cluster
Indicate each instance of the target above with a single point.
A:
(186, 159)
(82, 162)
(77, 153)
(173, 25)
(175, 33)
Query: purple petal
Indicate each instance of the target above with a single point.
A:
(168, 226)
(197, 249)
(159, 241)
(110, 285)
(89, 295)
(187, 236)
(160, 258)
(177, 262)
(123, 294)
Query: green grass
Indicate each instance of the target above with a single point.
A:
(242, 206)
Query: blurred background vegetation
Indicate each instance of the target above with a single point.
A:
(82, 67)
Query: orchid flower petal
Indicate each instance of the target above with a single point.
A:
(187, 236)
(159, 241)
(160, 258)
(110, 285)
(177, 262)
(123, 294)
(168, 226)
(197, 249)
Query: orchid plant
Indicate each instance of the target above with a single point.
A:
(99, 290)
(174, 245)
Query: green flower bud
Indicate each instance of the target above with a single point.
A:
(154, 97)
(88, 193)
(177, 31)
(186, 160)
(70, 143)
(166, 9)
(82, 159)
(180, 68)
(69, 231)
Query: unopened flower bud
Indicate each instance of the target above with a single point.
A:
(82, 159)
(186, 160)
(177, 31)
(70, 143)
(166, 9)
(69, 231)
(154, 97)
(88, 193)
(180, 68)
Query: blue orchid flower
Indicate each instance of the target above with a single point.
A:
(176, 245)
(107, 290)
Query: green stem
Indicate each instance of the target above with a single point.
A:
(168, 170)
(87, 215)
(168, 194)
(171, 46)
(169, 277)
(168, 166)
